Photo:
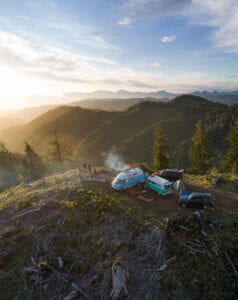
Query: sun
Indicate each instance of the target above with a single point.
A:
(12, 86)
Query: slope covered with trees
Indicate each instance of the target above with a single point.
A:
(132, 132)
(92, 133)
(73, 123)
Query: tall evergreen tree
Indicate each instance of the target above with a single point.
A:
(59, 150)
(4, 154)
(199, 153)
(161, 154)
(33, 167)
(8, 167)
(231, 160)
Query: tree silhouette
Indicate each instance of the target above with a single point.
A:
(59, 150)
(8, 167)
(199, 153)
(231, 160)
(33, 167)
(161, 154)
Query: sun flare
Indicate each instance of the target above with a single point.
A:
(12, 86)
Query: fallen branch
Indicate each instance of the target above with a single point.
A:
(119, 278)
(65, 279)
(23, 214)
(71, 295)
(165, 265)
(160, 242)
(184, 228)
(235, 272)
(80, 290)
(201, 221)
(168, 262)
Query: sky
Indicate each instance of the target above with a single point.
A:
(51, 47)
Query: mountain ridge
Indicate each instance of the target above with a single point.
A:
(104, 100)
(92, 133)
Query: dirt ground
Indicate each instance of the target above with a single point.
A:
(169, 203)
(55, 219)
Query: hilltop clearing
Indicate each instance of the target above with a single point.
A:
(64, 238)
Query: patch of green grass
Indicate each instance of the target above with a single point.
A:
(23, 203)
(199, 180)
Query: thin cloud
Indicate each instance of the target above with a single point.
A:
(53, 63)
(220, 15)
(25, 18)
(168, 39)
(156, 65)
(82, 35)
(140, 84)
(59, 65)
(232, 76)
(142, 9)
(124, 22)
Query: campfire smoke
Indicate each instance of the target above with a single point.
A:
(115, 161)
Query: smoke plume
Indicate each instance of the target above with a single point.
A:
(115, 161)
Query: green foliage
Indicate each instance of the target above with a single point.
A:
(32, 165)
(59, 151)
(132, 131)
(199, 154)
(231, 160)
(8, 167)
(91, 133)
(160, 151)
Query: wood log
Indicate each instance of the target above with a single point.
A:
(119, 277)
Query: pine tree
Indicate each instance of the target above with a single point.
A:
(199, 153)
(231, 160)
(161, 154)
(8, 167)
(59, 150)
(4, 154)
(33, 167)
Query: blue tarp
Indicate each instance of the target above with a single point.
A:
(184, 192)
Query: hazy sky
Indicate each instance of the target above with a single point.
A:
(49, 47)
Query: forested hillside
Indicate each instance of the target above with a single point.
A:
(112, 104)
(72, 123)
(92, 133)
(132, 132)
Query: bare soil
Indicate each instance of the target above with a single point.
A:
(223, 200)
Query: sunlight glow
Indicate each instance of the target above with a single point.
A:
(12, 86)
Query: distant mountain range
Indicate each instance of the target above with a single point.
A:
(226, 97)
(119, 94)
(92, 133)
(102, 100)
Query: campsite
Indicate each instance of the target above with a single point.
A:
(223, 198)
(119, 150)
(76, 237)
